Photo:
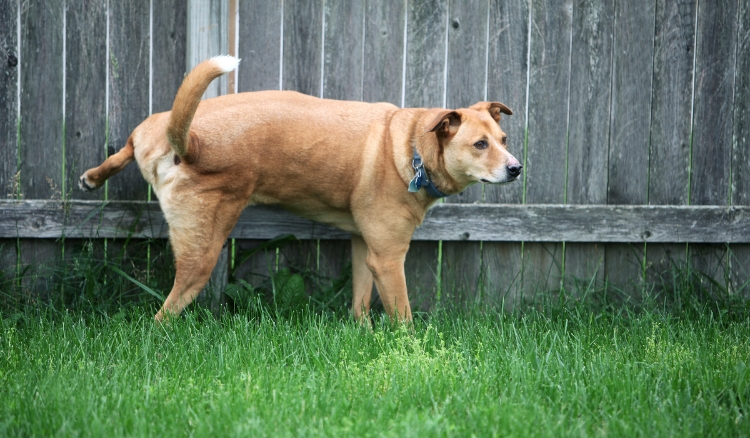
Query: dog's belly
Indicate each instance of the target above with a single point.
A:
(311, 209)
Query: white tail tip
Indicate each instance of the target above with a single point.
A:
(226, 63)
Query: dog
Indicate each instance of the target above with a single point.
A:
(371, 169)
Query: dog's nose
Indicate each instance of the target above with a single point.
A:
(514, 170)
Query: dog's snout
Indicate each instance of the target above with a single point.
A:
(514, 169)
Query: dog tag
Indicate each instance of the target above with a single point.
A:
(413, 187)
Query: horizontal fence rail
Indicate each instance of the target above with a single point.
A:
(450, 222)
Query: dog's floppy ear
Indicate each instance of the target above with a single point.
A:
(494, 108)
(445, 123)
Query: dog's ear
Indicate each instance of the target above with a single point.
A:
(445, 123)
(494, 108)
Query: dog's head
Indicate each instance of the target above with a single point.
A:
(473, 146)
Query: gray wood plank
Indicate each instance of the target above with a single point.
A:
(588, 131)
(506, 82)
(128, 88)
(384, 51)
(259, 45)
(740, 261)
(9, 66)
(303, 46)
(207, 26)
(50, 219)
(545, 173)
(169, 43)
(85, 93)
(466, 84)
(630, 115)
(424, 87)
(41, 128)
(713, 118)
(342, 79)
(669, 153)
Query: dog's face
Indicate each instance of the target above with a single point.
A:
(474, 146)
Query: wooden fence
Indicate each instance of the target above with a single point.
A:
(632, 120)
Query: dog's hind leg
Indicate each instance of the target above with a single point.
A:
(94, 178)
(197, 239)
(361, 280)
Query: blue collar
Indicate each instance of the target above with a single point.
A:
(421, 179)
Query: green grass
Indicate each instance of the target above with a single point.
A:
(568, 372)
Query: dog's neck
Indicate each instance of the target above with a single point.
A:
(429, 149)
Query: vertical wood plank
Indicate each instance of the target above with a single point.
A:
(740, 261)
(384, 51)
(303, 45)
(549, 83)
(466, 85)
(506, 82)
(85, 106)
(9, 65)
(41, 126)
(713, 120)
(632, 73)
(260, 51)
(170, 50)
(86, 90)
(207, 37)
(342, 79)
(259, 45)
(669, 152)
(588, 131)
(128, 88)
(425, 70)
(301, 71)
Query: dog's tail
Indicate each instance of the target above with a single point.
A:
(189, 96)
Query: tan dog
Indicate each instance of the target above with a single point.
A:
(346, 164)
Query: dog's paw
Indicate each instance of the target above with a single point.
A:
(84, 185)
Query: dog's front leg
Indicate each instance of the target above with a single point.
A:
(361, 280)
(385, 259)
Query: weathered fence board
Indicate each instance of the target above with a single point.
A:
(549, 96)
(425, 87)
(9, 67)
(383, 62)
(669, 153)
(588, 127)
(632, 73)
(259, 45)
(41, 125)
(466, 84)
(44, 219)
(508, 49)
(740, 262)
(169, 45)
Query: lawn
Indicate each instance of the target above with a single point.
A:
(567, 372)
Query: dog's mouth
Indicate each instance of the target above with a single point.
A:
(486, 181)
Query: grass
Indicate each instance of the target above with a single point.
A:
(566, 373)
(89, 361)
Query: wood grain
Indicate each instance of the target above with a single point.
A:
(424, 87)
(588, 130)
(669, 153)
(128, 88)
(169, 43)
(632, 73)
(303, 40)
(9, 66)
(466, 85)
(207, 25)
(740, 254)
(384, 51)
(545, 173)
(259, 45)
(713, 119)
(41, 126)
(506, 82)
(48, 219)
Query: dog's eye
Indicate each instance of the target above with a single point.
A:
(481, 144)
(505, 140)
